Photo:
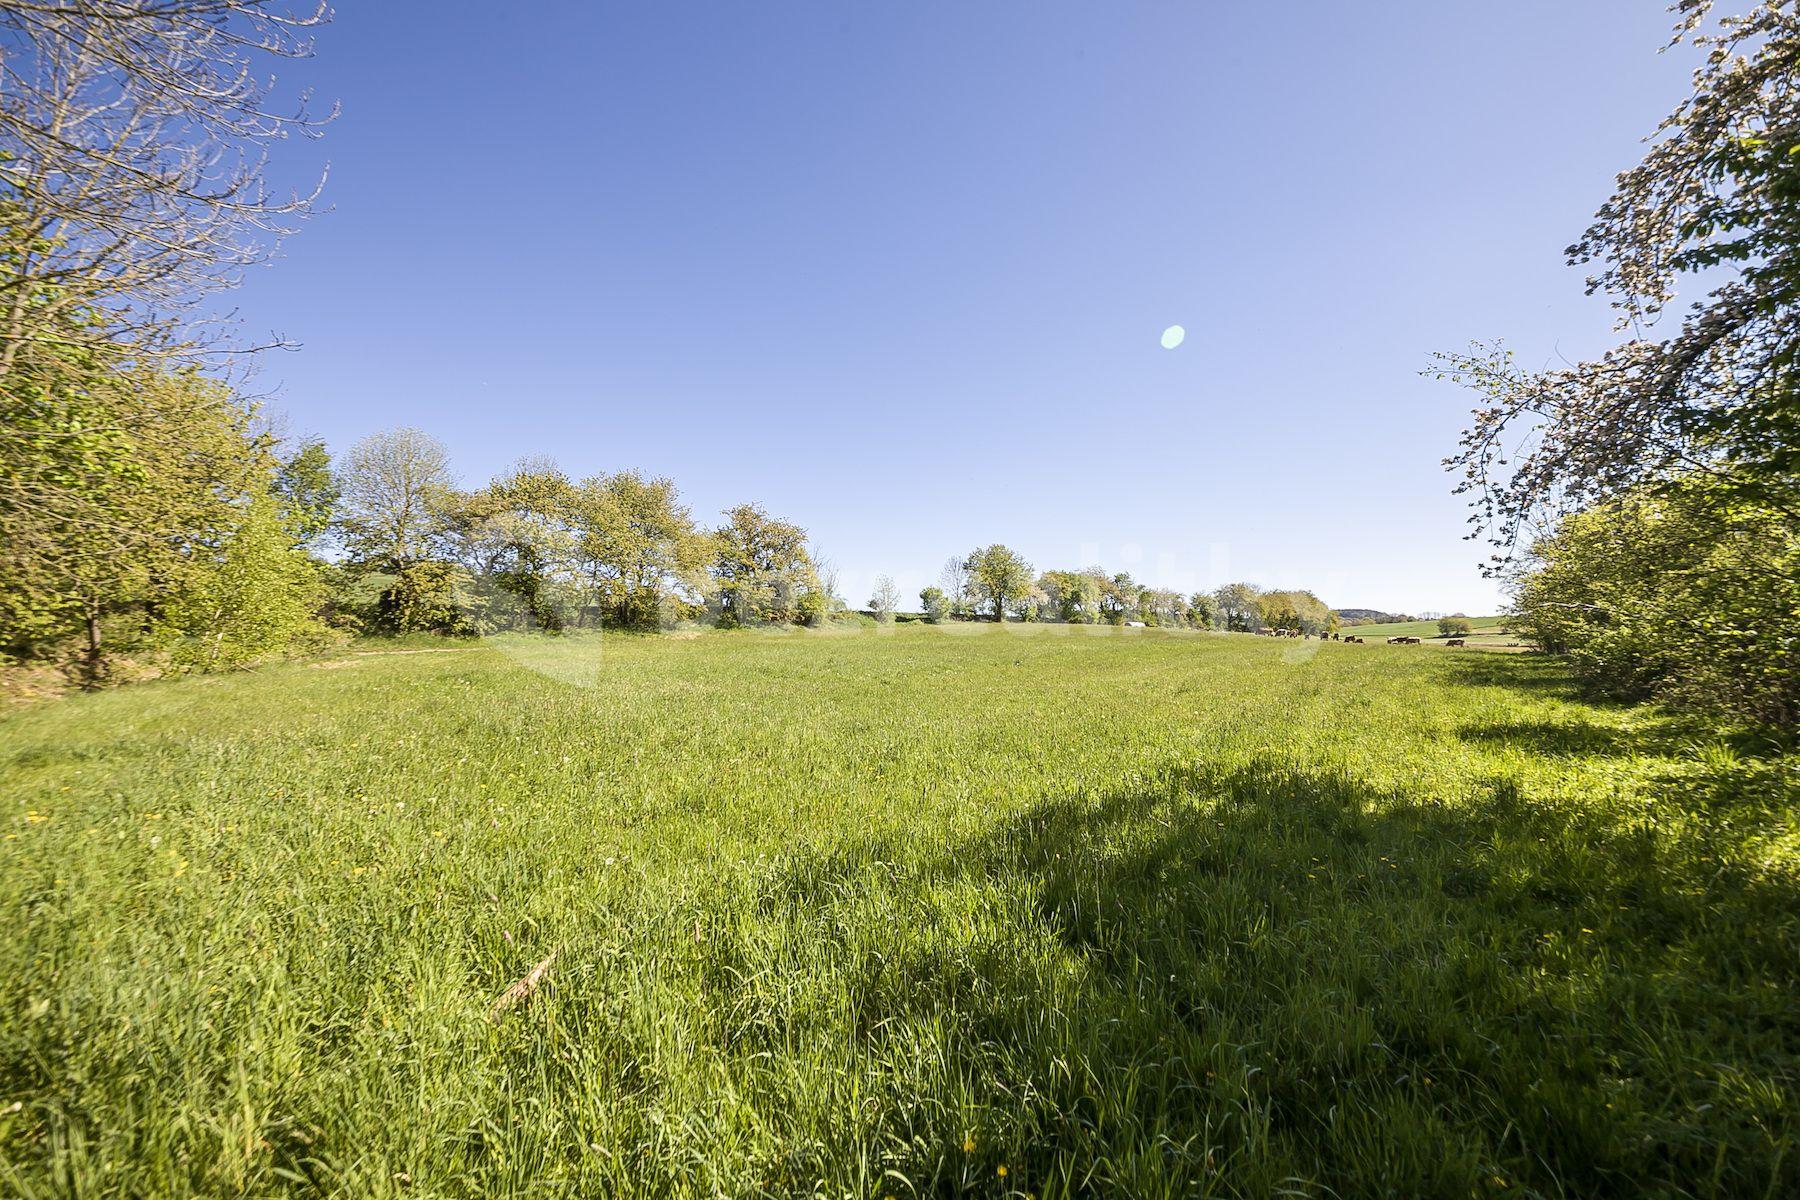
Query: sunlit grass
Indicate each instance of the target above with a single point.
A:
(918, 912)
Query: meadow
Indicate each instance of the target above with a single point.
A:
(1022, 912)
(1489, 633)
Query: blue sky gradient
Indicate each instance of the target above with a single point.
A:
(899, 272)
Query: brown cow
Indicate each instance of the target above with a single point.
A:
(1456, 642)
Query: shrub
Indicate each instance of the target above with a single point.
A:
(424, 597)
(1683, 593)
(935, 604)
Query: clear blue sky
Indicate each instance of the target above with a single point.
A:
(899, 271)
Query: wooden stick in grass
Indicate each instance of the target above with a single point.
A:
(521, 991)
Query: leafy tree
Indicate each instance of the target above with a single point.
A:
(516, 536)
(1718, 192)
(1163, 608)
(1295, 612)
(307, 491)
(1118, 597)
(116, 481)
(1033, 604)
(1202, 610)
(1455, 626)
(1074, 596)
(885, 599)
(1059, 593)
(395, 489)
(935, 604)
(637, 546)
(761, 569)
(999, 578)
(257, 598)
(814, 606)
(1238, 607)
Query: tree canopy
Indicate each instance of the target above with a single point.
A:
(999, 577)
(1717, 192)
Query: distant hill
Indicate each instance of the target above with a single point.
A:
(1369, 616)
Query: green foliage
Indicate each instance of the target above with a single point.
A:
(1141, 914)
(119, 485)
(308, 491)
(1238, 607)
(1073, 596)
(517, 536)
(934, 604)
(256, 598)
(1298, 612)
(999, 578)
(761, 570)
(533, 550)
(813, 606)
(1455, 626)
(638, 547)
(1203, 610)
(1687, 593)
(427, 597)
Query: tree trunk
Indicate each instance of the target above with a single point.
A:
(93, 666)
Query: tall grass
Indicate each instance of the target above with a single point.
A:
(924, 912)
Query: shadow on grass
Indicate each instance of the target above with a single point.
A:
(1556, 738)
(1268, 978)
(1651, 732)
(1529, 674)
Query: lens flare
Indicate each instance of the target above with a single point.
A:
(1173, 336)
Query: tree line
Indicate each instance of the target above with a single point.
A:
(534, 549)
(996, 583)
(182, 527)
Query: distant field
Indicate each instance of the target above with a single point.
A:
(1488, 631)
(931, 911)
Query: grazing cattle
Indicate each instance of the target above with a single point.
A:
(1395, 640)
(1409, 641)
(1455, 642)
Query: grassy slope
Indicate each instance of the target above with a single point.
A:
(1117, 912)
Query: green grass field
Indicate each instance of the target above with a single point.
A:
(1489, 633)
(925, 912)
